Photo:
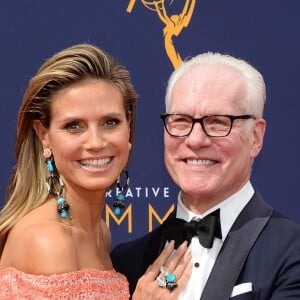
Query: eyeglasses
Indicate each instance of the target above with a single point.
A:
(180, 125)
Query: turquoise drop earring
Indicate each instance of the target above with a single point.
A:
(55, 184)
(119, 202)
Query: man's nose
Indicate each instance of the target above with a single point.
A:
(198, 137)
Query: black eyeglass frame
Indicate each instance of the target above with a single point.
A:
(200, 120)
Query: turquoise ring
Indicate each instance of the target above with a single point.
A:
(166, 279)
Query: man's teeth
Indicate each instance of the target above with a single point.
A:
(95, 162)
(200, 162)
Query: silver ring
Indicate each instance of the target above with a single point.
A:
(161, 281)
(164, 271)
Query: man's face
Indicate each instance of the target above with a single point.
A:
(209, 169)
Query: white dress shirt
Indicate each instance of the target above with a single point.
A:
(203, 258)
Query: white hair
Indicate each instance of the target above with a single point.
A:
(256, 89)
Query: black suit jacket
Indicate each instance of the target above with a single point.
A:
(262, 248)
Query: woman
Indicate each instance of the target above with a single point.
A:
(74, 133)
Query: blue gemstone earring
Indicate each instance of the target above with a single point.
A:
(55, 184)
(119, 202)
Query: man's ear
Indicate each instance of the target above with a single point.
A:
(41, 132)
(258, 133)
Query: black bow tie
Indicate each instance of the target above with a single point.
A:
(205, 229)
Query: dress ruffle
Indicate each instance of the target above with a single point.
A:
(83, 284)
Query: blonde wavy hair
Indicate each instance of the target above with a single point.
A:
(27, 189)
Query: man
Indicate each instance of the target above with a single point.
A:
(214, 129)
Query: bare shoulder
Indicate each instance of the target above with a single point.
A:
(42, 247)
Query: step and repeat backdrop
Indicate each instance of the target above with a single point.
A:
(151, 38)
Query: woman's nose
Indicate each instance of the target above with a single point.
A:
(95, 139)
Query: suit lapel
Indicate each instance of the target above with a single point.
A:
(242, 236)
(156, 243)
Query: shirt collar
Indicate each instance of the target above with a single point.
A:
(230, 208)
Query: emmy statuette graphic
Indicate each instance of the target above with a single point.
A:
(173, 25)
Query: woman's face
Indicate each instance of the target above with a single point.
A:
(88, 134)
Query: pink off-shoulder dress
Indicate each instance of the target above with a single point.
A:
(83, 284)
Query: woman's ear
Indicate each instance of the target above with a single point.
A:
(41, 132)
